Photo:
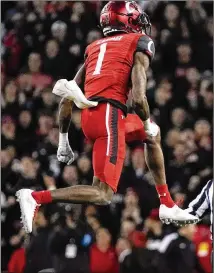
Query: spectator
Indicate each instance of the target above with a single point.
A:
(178, 252)
(11, 103)
(5, 161)
(128, 226)
(94, 223)
(205, 105)
(46, 101)
(9, 176)
(18, 259)
(85, 170)
(124, 251)
(154, 229)
(8, 132)
(28, 177)
(26, 140)
(59, 32)
(13, 49)
(132, 209)
(45, 125)
(92, 36)
(53, 59)
(102, 256)
(203, 245)
(70, 176)
(138, 170)
(47, 152)
(140, 179)
(179, 118)
(173, 138)
(33, 76)
(178, 163)
(37, 254)
(69, 244)
(202, 129)
(161, 106)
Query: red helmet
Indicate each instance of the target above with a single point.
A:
(123, 16)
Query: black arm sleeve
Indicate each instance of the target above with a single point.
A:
(146, 46)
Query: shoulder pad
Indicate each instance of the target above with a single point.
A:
(146, 45)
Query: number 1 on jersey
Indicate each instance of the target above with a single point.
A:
(100, 59)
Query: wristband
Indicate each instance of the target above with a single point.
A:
(147, 124)
(63, 139)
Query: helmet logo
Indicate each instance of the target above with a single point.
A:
(130, 10)
(150, 46)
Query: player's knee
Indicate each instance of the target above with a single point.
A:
(104, 194)
(107, 196)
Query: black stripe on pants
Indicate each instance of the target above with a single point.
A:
(114, 131)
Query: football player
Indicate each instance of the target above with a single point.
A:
(113, 65)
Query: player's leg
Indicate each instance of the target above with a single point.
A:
(81, 194)
(29, 200)
(99, 193)
(155, 162)
(153, 155)
(108, 167)
(108, 156)
(169, 212)
(105, 188)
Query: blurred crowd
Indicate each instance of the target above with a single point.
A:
(45, 41)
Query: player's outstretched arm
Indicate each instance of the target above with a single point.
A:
(139, 82)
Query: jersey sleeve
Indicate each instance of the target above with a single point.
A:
(146, 46)
(201, 204)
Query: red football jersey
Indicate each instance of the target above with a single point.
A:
(108, 63)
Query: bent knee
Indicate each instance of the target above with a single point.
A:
(107, 196)
(105, 193)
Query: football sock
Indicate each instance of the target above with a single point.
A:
(42, 197)
(164, 195)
